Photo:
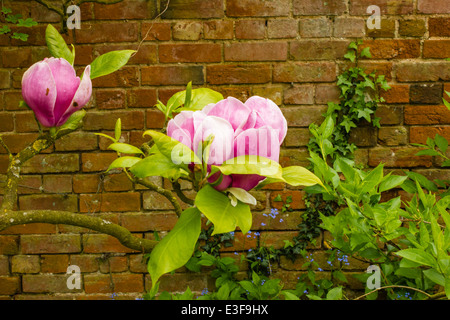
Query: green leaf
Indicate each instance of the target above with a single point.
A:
(57, 46)
(350, 55)
(28, 22)
(125, 148)
(366, 52)
(441, 142)
(250, 164)
(123, 162)
(74, 121)
(242, 195)
(289, 295)
(6, 10)
(218, 209)
(418, 256)
(110, 62)
(335, 294)
(390, 182)
(106, 136)
(20, 36)
(118, 129)
(4, 30)
(176, 248)
(435, 276)
(372, 179)
(172, 149)
(199, 99)
(158, 165)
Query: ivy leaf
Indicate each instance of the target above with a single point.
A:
(366, 53)
(4, 30)
(6, 10)
(13, 18)
(19, 36)
(28, 22)
(350, 55)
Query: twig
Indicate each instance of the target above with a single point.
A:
(6, 148)
(180, 194)
(394, 286)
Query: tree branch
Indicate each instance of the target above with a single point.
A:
(51, 7)
(125, 237)
(180, 194)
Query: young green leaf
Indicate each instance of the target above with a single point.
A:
(125, 148)
(110, 62)
(56, 45)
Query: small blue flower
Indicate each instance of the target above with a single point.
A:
(320, 269)
(263, 224)
(281, 220)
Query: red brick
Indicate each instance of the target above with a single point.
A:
(155, 31)
(393, 49)
(433, 6)
(438, 49)
(422, 71)
(83, 183)
(30, 228)
(390, 115)
(282, 28)
(86, 262)
(16, 142)
(392, 136)
(94, 162)
(52, 163)
(16, 58)
(131, 9)
(7, 122)
(439, 26)
(218, 29)
(266, 51)
(131, 119)
(25, 122)
(148, 221)
(4, 265)
(155, 119)
(66, 202)
(257, 8)
(238, 74)
(345, 27)
(117, 182)
(412, 28)
(187, 30)
(171, 75)
(318, 49)
(200, 52)
(327, 93)
(297, 199)
(313, 7)
(102, 243)
(387, 29)
(398, 157)
(94, 283)
(250, 29)
(110, 202)
(305, 72)
(315, 27)
(420, 134)
(188, 9)
(141, 97)
(60, 243)
(107, 32)
(427, 115)
(11, 99)
(110, 99)
(297, 137)
(274, 93)
(125, 77)
(5, 79)
(397, 94)
(114, 264)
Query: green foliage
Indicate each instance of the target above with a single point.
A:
(17, 20)
(57, 45)
(110, 62)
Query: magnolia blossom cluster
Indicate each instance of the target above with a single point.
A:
(53, 91)
(256, 127)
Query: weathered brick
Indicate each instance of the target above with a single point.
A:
(187, 30)
(420, 134)
(59, 243)
(318, 49)
(84, 183)
(297, 137)
(412, 28)
(102, 243)
(110, 202)
(5, 79)
(154, 119)
(188, 9)
(46, 283)
(113, 264)
(401, 157)
(297, 199)
(267, 51)
(403, 7)
(7, 121)
(4, 265)
(52, 163)
(305, 72)
(422, 71)
(315, 28)
(86, 262)
(57, 183)
(325, 93)
(387, 29)
(349, 27)
(238, 74)
(9, 285)
(141, 97)
(257, 8)
(294, 157)
(393, 49)
(282, 28)
(94, 162)
(312, 7)
(218, 29)
(25, 264)
(110, 99)
(299, 94)
(392, 136)
(30, 228)
(171, 75)
(77, 141)
(52, 263)
(200, 52)
(399, 93)
(127, 76)
(117, 182)
(151, 31)
(25, 122)
(250, 29)
(363, 136)
(16, 57)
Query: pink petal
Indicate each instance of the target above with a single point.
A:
(81, 97)
(226, 181)
(66, 82)
(232, 110)
(246, 181)
(222, 145)
(258, 142)
(181, 128)
(268, 114)
(39, 92)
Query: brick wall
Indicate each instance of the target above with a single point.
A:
(288, 50)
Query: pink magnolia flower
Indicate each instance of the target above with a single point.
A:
(256, 127)
(53, 91)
